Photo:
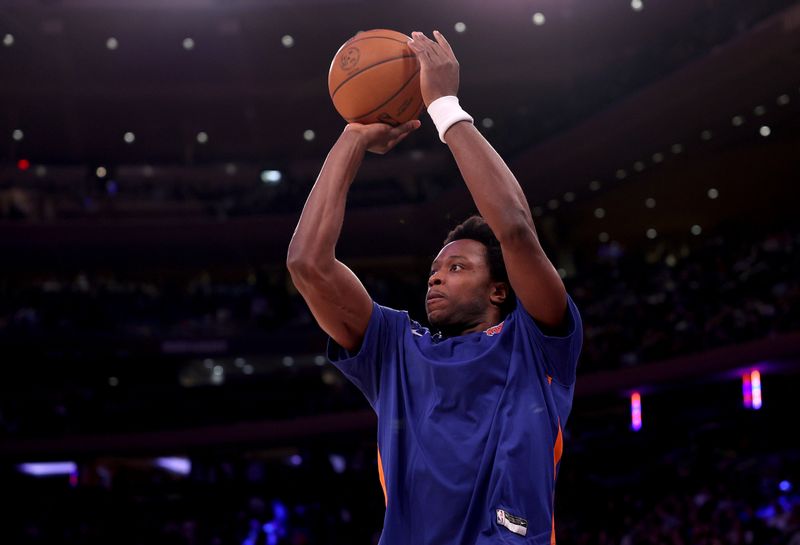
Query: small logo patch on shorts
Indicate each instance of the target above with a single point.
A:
(518, 525)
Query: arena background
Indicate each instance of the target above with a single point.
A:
(155, 156)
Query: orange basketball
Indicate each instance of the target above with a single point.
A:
(374, 78)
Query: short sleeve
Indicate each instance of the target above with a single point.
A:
(559, 353)
(363, 367)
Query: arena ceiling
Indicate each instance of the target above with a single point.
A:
(602, 91)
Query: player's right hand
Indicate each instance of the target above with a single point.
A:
(379, 137)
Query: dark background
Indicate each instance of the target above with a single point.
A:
(145, 309)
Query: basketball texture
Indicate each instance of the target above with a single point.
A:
(374, 78)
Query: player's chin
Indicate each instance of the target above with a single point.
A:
(437, 317)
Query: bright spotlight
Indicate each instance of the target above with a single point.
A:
(271, 176)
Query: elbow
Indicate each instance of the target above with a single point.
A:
(303, 269)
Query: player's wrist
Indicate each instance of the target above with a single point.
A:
(445, 112)
(356, 136)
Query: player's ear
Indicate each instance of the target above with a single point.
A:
(499, 293)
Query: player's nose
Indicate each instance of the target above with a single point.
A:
(434, 280)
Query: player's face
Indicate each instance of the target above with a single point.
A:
(459, 285)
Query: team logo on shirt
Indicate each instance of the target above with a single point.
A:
(494, 330)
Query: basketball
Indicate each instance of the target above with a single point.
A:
(374, 78)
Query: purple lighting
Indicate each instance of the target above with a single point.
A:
(636, 411)
(46, 469)
(180, 466)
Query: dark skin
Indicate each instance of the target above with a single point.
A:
(462, 298)
(336, 297)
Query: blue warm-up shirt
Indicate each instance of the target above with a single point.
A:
(469, 427)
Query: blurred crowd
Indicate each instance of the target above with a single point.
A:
(691, 496)
(724, 289)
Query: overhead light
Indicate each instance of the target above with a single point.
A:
(202, 137)
(658, 157)
(287, 41)
(309, 135)
(460, 27)
(638, 166)
(552, 204)
(487, 122)
(101, 172)
(112, 43)
(637, 5)
(621, 174)
(288, 361)
(737, 121)
(651, 233)
(538, 211)
(759, 110)
(230, 169)
(594, 185)
(650, 202)
(569, 196)
(603, 237)
(713, 193)
(764, 131)
(129, 137)
(538, 18)
(676, 149)
(599, 213)
(696, 229)
(783, 100)
(271, 176)
(17, 135)
(113, 381)
(188, 44)
(8, 40)
(706, 135)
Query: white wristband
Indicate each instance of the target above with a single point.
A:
(445, 112)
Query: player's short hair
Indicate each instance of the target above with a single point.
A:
(475, 228)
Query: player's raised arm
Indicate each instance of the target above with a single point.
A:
(334, 294)
(493, 187)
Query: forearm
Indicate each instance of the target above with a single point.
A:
(495, 190)
(316, 234)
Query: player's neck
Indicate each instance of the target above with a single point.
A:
(456, 330)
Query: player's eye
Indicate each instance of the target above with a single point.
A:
(456, 267)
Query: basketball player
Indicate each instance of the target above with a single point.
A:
(470, 412)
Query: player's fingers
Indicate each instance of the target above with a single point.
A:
(444, 43)
(432, 48)
(397, 140)
(419, 51)
(406, 128)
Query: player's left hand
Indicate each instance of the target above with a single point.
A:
(438, 66)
